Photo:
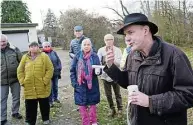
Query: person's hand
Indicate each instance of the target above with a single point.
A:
(109, 57)
(139, 98)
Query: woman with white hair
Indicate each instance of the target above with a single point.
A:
(57, 71)
(85, 83)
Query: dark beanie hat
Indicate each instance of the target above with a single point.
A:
(33, 44)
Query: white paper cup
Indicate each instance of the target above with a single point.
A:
(97, 71)
(132, 88)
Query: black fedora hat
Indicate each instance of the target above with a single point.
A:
(138, 19)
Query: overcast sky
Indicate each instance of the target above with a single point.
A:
(38, 8)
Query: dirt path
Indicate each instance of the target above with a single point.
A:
(62, 114)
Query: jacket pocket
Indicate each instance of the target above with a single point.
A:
(43, 81)
(153, 82)
(13, 60)
(158, 73)
(78, 95)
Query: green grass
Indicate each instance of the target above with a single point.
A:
(190, 116)
(103, 115)
(103, 109)
(189, 52)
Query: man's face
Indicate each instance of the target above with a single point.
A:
(109, 42)
(86, 46)
(33, 49)
(134, 36)
(3, 42)
(78, 33)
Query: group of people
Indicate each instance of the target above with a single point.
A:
(37, 71)
(84, 78)
(161, 71)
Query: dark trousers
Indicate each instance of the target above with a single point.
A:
(54, 89)
(108, 93)
(31, 106)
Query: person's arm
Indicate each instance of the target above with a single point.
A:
(49, 69)
(59, 64)
(181, 97)
(21, 70)
(19, 54)
(73, 72)
(99, 53)
(118, 76)
(71, 53)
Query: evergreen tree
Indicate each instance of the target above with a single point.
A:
(14, 12)
(50, 24)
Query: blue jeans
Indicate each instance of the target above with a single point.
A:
(54, 89)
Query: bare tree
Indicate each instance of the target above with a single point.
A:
(95, 27)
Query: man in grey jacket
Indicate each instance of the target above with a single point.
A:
(108, 82)
(10, 58)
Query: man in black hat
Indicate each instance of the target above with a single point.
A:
(161, 71)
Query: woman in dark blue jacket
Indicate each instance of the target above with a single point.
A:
(57, 71)
(85, 83)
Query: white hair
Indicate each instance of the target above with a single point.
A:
(2, 35)
(87, 39)
(46, 44)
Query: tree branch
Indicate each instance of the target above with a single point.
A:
(124, 9)
(115, 12)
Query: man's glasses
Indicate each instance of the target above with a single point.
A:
(46, 46)
(77, 30)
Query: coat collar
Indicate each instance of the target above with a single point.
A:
(29, 54)
(154, 57)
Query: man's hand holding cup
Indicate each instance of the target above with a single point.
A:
(136, 97)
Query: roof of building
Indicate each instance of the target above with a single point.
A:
(12, 25)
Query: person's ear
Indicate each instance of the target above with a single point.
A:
(146, 30)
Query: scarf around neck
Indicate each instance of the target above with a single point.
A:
(85, 69)
(47, 50)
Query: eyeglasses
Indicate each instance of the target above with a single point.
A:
(46, 46)
(78, 30)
